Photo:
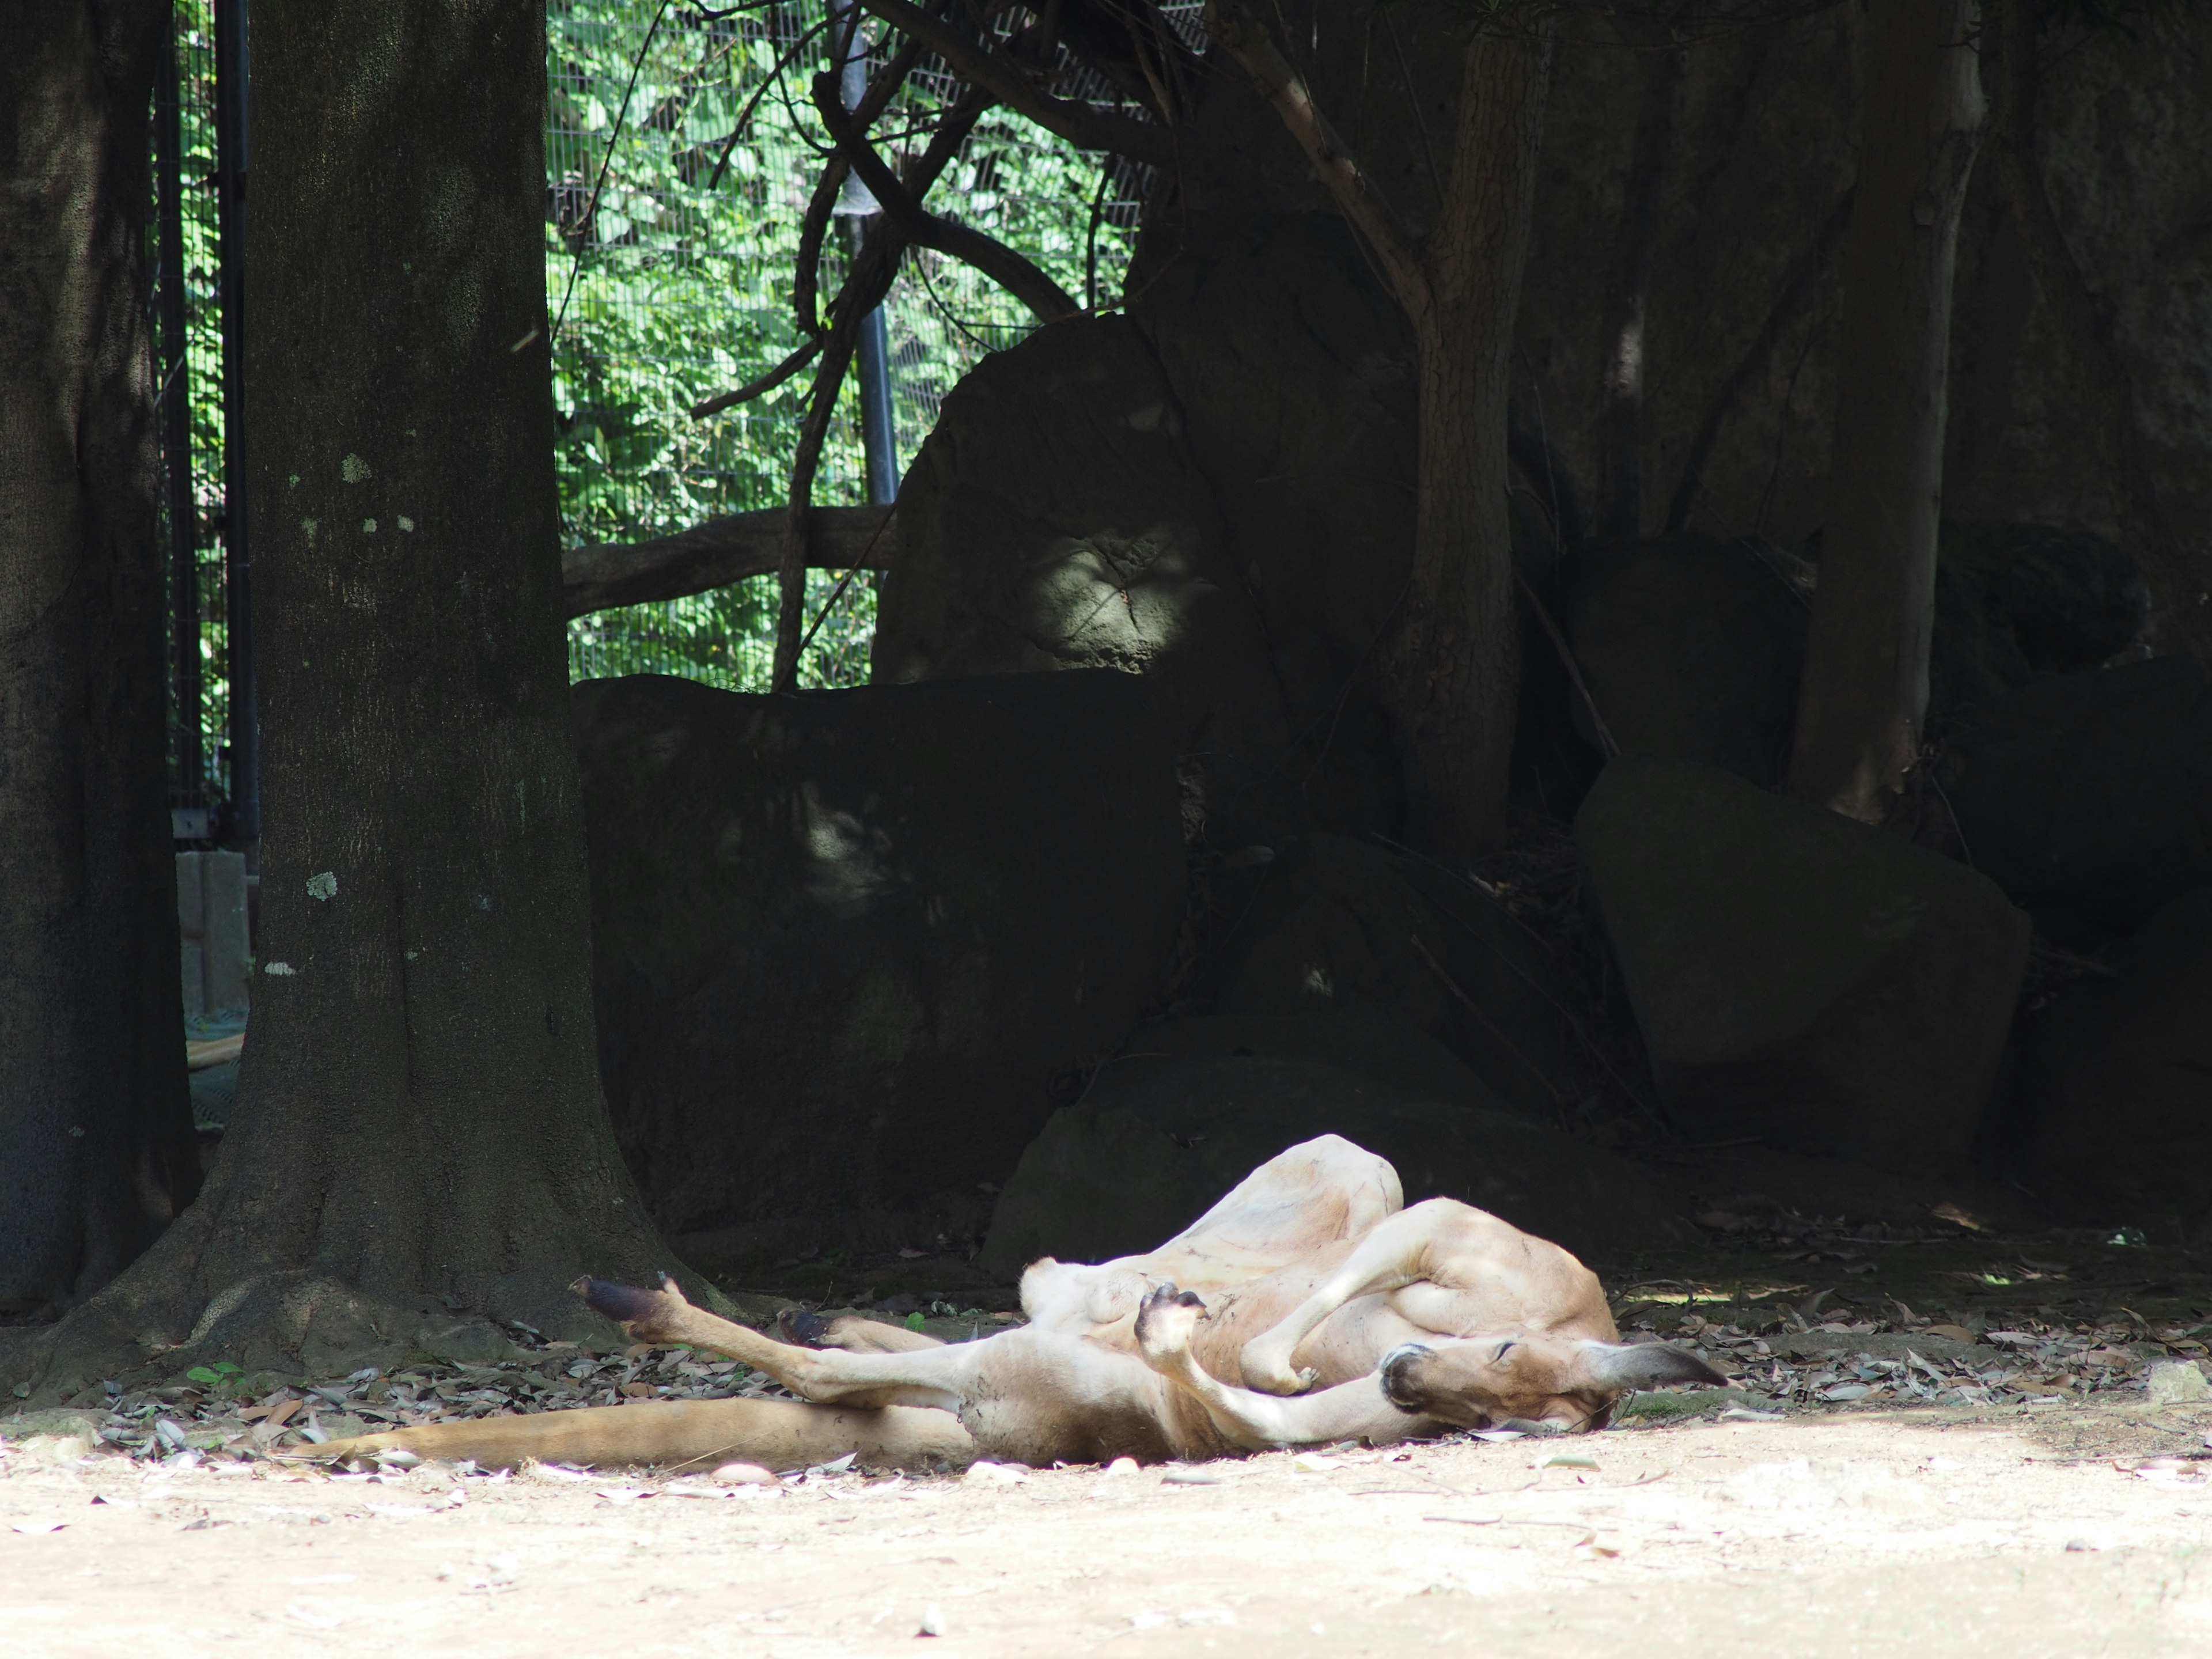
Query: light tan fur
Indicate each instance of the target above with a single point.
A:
(1306, 1307)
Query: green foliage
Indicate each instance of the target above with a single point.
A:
(668, 286)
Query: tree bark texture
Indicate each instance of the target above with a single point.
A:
(1621, 404)
(1865, 686)
(418, 1112)
(1452, 669)
(2100, 373)
(96, 1149)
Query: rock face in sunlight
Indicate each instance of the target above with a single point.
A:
(1825, 986)
(843, 941)
(1055, 519)
(1165, 1131)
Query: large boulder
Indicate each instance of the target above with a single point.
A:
(1167, 1129)
(1825, 986)
(1055, 519)
(1692, 647)
(843, 941)
(2119, 1073)
(1337, 923)
(2088, 798)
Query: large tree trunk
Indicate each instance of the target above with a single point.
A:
(1454, 666)
(96, 1150)
(1865, 687)
(419, 1124)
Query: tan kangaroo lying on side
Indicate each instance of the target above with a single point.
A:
(1306, 1307)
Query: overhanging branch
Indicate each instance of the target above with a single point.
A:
(1002, 265)
(1081, 125)
(719, 552)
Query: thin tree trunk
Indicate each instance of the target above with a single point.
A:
(2100, 375)
(96, 1150)
(419, 1125)
(1865, 686)
(1452, 668)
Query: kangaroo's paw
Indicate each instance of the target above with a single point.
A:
(1165, 1320)
(1267, 1368)
(645, 1316)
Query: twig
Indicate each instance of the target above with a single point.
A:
(592, 206)
(843, 582)
(767, 382)
(746, 115)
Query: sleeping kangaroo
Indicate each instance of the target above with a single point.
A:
(1308, 1306)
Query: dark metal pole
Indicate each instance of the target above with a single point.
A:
(878, 437)
(176, 415)
(230, 85)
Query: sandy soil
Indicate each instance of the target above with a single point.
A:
(2033, 1531)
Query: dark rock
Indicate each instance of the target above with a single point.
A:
(2119, 1072)
(1798, 976)
(2016, 603)
(2088, 798)
(843, 940)
(1373, 1040)
(1692, 648)
(1160, 1138)
(1339, 923)
(1054, 519)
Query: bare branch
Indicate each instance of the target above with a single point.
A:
(1245, 38)
(767, 382)
(719, 552)
(1002, 265)
(864, 286)
(1081, 125)
(882, 86)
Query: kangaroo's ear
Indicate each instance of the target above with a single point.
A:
(1607, 1368)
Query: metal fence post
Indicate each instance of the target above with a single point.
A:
(878, 437)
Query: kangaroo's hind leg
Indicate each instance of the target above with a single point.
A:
(936, 1376)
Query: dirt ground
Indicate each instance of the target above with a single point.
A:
(2035, 1531)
